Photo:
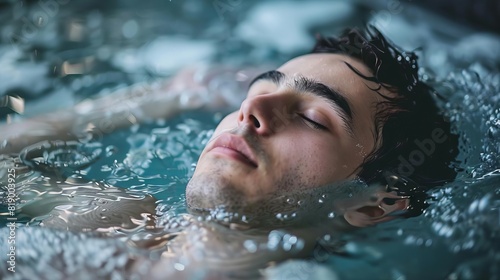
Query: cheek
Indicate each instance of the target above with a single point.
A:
(322, 159)
(313, 155)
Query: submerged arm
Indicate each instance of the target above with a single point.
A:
(205, 88)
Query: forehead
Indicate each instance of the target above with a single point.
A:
(329, 69)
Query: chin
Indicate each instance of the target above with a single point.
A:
(206, 193)
(217, 197)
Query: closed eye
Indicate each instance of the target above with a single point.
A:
(312, 123)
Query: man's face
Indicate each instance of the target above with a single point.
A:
(305, 125)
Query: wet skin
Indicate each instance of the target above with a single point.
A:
(307, 124)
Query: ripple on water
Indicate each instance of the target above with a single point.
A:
(158, 160)
(58, 157)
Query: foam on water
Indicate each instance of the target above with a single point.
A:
(263, 28)
(456, 237)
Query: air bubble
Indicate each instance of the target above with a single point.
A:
(250, 245)
(179, 266)
(287, 246)
(111, 150)
(484, 202)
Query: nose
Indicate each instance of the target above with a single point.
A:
(265, 113)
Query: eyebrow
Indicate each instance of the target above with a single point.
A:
(303, 84)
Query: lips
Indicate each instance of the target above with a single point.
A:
(235, 147)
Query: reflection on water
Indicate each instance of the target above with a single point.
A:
(75, 203)
(81, 51)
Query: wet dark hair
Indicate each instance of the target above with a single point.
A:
(416, 149)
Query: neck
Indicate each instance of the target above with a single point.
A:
(232, 248)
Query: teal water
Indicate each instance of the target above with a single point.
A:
(120, 43)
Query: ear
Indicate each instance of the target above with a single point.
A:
(378, 209)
